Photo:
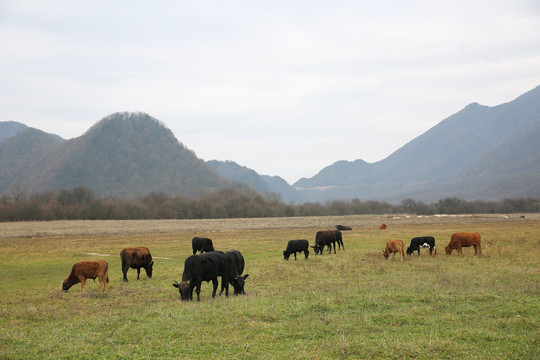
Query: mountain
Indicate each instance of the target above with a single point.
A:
(9, 129)
(481, 152)
(445, 160)
(124, 154)
(262, 183)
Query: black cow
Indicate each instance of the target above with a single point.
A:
(339, 239)
(201, 244)
(343, 227)
(422, 242)
(295, 246)
(237, 259)
(136, 258)
(207, 267)
(324, 238)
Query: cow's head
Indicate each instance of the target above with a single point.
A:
(69, 282)
(385, 253)
(149, 269)
(66, 285)
(286, 255)
(409, 250)
(317, 249)
(185, 289)
(238, 284)
(448, 250)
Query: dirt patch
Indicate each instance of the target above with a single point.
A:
(111, 227)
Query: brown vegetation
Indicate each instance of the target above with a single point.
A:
(80, 204)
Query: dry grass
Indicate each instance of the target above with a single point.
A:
(354, 304)
(115, 227)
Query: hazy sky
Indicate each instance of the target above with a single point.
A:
(282, 87)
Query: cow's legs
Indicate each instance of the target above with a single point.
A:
(480, 249)
(138, 273)
(215, 284)
(294, 255)
(198, 291)
(224, 286)
(125, 270)
(83, 282)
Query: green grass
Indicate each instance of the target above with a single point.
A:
(354, 304)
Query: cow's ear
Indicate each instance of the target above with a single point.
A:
(175, 285)
(245, 276)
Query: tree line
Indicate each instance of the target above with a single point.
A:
(80, 203)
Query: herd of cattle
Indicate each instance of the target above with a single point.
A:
(211, 264)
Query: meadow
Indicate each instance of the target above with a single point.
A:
(354, 304)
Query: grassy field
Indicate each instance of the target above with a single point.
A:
(354, 304)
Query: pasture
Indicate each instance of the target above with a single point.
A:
(354, 304)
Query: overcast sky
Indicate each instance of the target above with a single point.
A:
(282, 87)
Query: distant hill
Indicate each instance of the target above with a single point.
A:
(10, 128)
(124, 154)
(479, 153)
(262, 183)
(435, 164)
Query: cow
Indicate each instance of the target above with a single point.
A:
(136, 258)
(383, 227)
(422, 242)
(393, 247)
(207, 267)
(339, 239)
(88, 270)
(201, 244)
(343, 227)
(294, 246)
(460, 240)
(324, 238)
(237, 259)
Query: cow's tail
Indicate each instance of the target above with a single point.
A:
(107, 272)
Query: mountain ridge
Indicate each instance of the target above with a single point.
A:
(484, 151)
(432, 157)
(121, 155)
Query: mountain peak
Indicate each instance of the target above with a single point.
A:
(127, 115)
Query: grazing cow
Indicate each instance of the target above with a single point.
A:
(324, 238)
(383, 227)
(136, 258)
(343, 227)
(339, 239)
(88, 270)
(207, 267)
(422, 242)
(460, 240)
(202, 245)
(393, 247)
(237, 259)
(294, 246)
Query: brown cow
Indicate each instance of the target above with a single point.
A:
(383, 227)
(460, 240)
(393, 247)
(88, 270)
(136, 258)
